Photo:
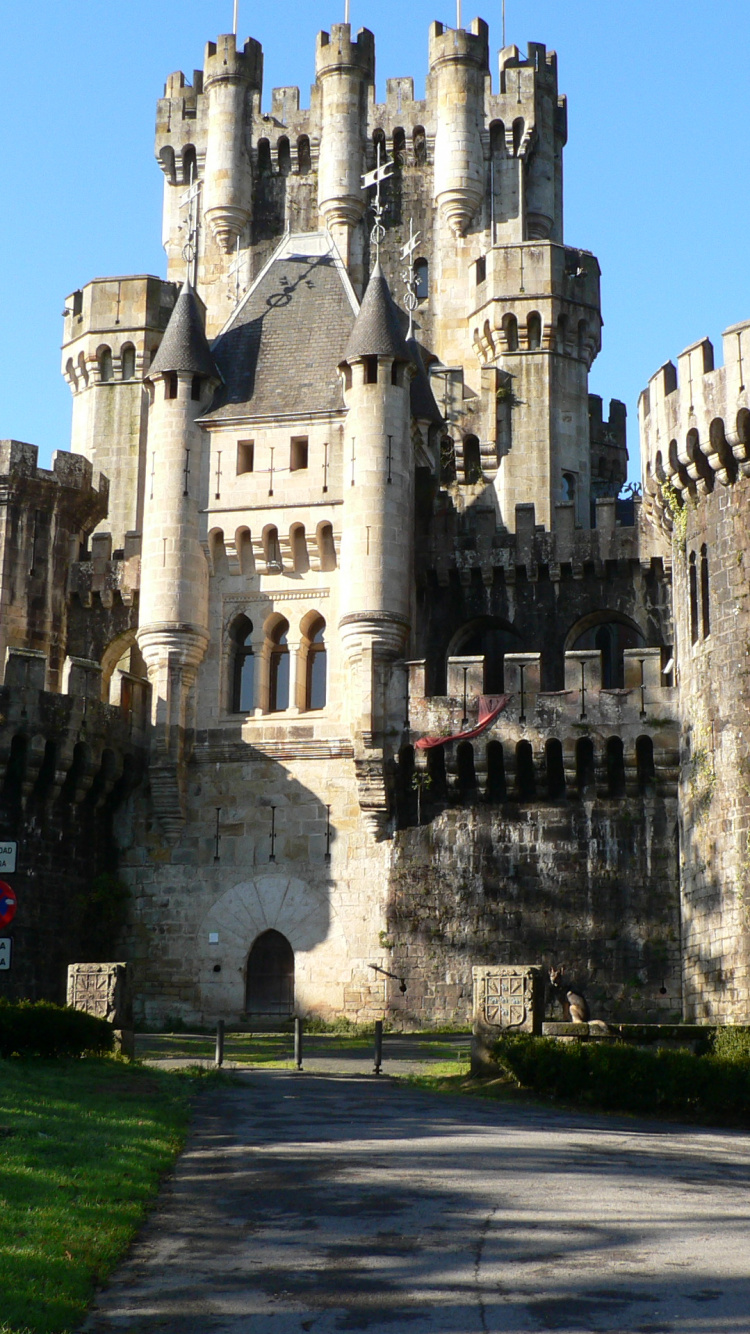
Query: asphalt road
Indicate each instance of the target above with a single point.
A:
(318, 1203)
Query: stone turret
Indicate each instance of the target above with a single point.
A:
(173, 629)
(459, 71)
(229, 78)
(376, 556)
(344, 72)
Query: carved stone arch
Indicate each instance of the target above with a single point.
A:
(610, 632)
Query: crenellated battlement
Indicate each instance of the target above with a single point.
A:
(105, 575)
(460, 45)
(695, 423)
(335, 51)
(71, 475)
(69, 745)
(224, 61)
(464, 543)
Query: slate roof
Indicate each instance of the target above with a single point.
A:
(422, 399)
(377, 331)
(279, 354)
(184, 346)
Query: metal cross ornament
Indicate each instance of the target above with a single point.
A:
(374, 178)
(189, 200)
(409, 277)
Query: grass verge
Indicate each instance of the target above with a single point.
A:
(83, 1146)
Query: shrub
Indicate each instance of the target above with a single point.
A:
(616, 1077)
(41, 1029)
(732, 1044)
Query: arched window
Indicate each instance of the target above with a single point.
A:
(611, 635)
(189, 164)
(472, 461)
(510, 329)
(705, 603)
(495, 772)
(497, 137)
(326, 547)
(438, 786)
(419, 144)
(264, 157)
(127, 361)
(284, 156)
(278, 669)
(317, 669)
(519, 126)
(585, 770)
(693, 589)
(303, 155)
(553, 754)
(270, 976)
(104, 357)
(243, 665)
(300, 559)
(525, 777)
(489, 339)
(615, 767)
(272, 550)
(399, 147)
(583, 333)
(422, 279)
(534, 331)
(465, 772)
(644, 759)
(568, 488)
(489, 638)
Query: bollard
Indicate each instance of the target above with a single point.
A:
(219, 1058)
(298, 1042)
(378, 1045)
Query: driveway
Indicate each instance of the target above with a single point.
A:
(324, 1203)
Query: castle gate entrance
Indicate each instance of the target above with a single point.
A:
(270, 976)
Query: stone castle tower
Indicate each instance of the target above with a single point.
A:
(356, 483)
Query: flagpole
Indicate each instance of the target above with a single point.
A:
(458, 13)
(234, 29)
(346, 11)
(503, 24)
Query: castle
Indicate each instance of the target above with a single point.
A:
(337, 486)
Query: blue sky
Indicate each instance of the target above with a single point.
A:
(657, 179)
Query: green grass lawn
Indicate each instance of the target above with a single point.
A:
(83, 1145)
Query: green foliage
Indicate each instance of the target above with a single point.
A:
(84, 1146)
(621, 1078)
(41, 1029)
(678, 510)
(732, 1044)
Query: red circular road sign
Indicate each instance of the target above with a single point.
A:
(8, 904)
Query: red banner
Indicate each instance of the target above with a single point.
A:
(490, 707)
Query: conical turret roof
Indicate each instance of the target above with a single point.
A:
(423, 404)
(377, 328)
(184, 346)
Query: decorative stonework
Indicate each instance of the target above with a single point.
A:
(509, 997)
(102, 989)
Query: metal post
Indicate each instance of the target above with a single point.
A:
(298, 1042)
(219, 1057)
(522, 715)
(465, 719)
(643, 689)
(378, 1045)
(583, 689)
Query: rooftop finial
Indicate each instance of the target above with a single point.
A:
(381, 173)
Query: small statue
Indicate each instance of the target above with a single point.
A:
(573, 1002)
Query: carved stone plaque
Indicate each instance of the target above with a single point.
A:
(509, 996)
(102, 989)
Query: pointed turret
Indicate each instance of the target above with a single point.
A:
(184, 346)
(377, 329)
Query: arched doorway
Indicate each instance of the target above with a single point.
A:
(270, 976)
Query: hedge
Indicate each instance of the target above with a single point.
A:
(38, 1028)
(616, 1077)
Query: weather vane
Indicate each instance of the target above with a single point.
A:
(381, 173)
(190, 201)
(409, 277)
